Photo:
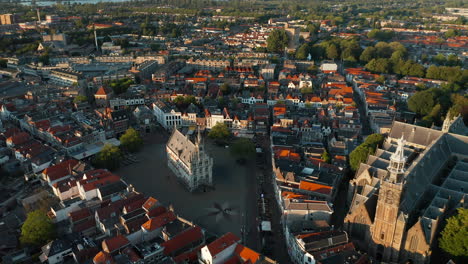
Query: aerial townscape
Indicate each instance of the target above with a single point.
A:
(233, 131)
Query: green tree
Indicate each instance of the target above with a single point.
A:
(360, 154)
(326, 156)
(380, 79)
(368, 54)
(37, 229)
(277, 40)
(131, 140)
(3, 63)
(380, 65)
(302, 52)
(225, 88)
(439, 59)
(451, 33)
(374, 140)
(80, 99)
(421, 102)
(382, 35)
(332, 52)
(219, 132)
(109, 157)
(454, 237)
(243, 149)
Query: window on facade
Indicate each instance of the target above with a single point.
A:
(413, 243)
(382, 236)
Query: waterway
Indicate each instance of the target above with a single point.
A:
(51, 3)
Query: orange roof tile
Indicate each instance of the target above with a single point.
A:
(247, 254)
(222, 243)
(315, 187)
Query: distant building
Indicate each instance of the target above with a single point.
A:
(167, 116)
(7, 19)
(189, 161)
(103, 95)
(66, 78)
(293, 34)
(268, 71)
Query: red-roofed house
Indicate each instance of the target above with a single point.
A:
(103, 95)
(184, 241)
(153, 227)
(316, 189)
(115, 244)
(219, 250)
(59, 171)
(88, 187)
(17, 139)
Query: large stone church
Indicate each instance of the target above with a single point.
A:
(401, 196)
(189, 160)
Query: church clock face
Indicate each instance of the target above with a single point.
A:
(389, 197)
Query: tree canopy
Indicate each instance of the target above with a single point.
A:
(277, 40)
(109, 157)
(80, 99)
(219, 132)
(382, 35)
(359, 154)
(243, 149)
(421, 102)
(121, 86)
(454, 237)
(326, 156)
(131, 140)
(37, 229)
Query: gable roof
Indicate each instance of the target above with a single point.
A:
(222, 243)
(60, 170)
(315, 187)
(112, 244)
(103, 91)
(246, 254)
(182, 239)
(159, 221)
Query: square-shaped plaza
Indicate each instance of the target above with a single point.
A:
(229, 207)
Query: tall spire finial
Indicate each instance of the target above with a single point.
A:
(398, 160)
(447, 123)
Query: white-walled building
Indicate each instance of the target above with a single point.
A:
(189, 161)
(167, 116)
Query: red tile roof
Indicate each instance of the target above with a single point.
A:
(103, 91)
(18, 138)
(150, 203)
(79, 214)
(315, 187)
(247, 254)
(222, 243)
(156, 211)
(103, 258)
(190, 256)
(60, 170)
(182, 239)
(159, 221)
(112, 244)
(88, 224)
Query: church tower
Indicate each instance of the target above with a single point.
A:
(389, 224)
(397, 162)
(447, 123)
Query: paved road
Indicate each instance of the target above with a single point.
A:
(234, 187)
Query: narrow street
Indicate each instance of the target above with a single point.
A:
(366, 128)
(274, 244)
